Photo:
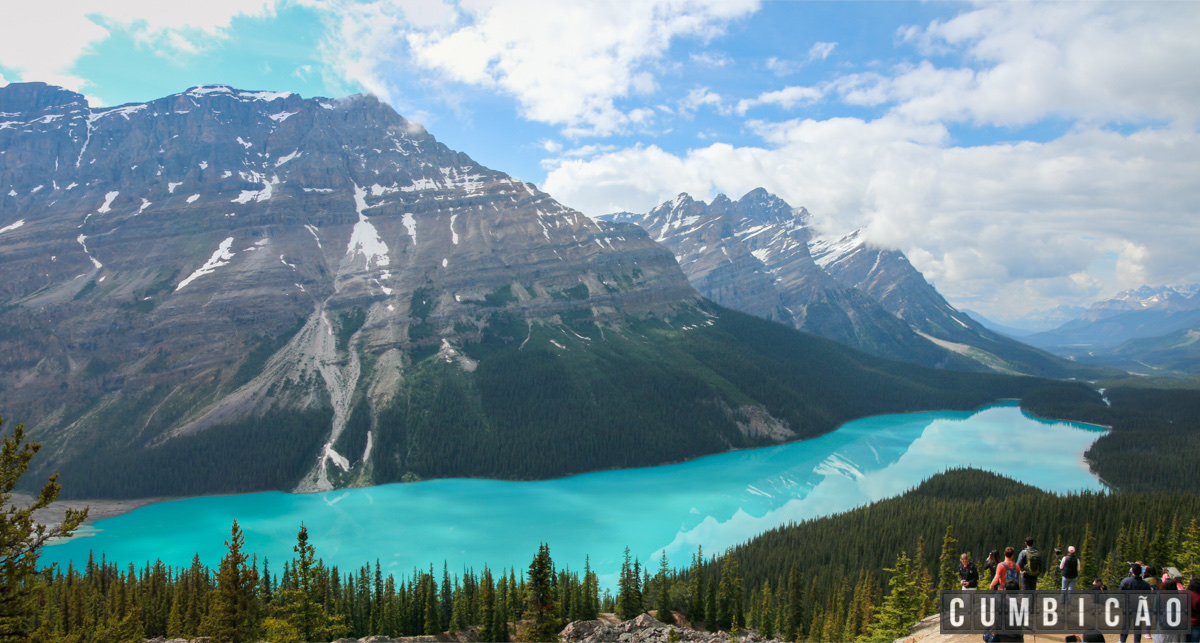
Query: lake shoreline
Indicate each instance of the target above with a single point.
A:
(102, 508)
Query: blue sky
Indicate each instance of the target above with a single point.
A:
(1024, 155)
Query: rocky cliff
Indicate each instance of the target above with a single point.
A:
(758, 255)
(218, 253)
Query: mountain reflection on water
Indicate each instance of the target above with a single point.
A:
(715, 501)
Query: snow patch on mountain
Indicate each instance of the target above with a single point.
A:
(365, 238)
(221, 257)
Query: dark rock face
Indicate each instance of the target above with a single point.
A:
(218, 252)
(753, 255)
(886, 276)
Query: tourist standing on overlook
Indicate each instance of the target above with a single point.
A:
(968, 575)
(1134, 583)
(1006, 571)
(1030, 564)
(1069, 566)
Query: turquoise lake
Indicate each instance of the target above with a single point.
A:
(715, 501)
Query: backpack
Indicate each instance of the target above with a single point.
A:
(1010, 574)
(1033, 562)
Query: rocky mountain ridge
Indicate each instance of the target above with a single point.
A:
(759, 255)
(204, 250)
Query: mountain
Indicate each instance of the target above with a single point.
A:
(1139, 313)
(222, 291)
(758, 255)
(1151, 330)
(753, 255)
(1175, 353)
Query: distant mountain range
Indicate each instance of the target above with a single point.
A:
(758, 255)
(1149, 330)
(224, 290)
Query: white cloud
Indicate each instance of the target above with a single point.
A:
(711, 59)
(567, 64)
(782, 67)
(1094, 61)
(698, 97)
(42, 41)
(787, 98)
(991, 225)
(820, 50)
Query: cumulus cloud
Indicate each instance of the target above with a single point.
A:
(1093, 61)
(42, 41)
(566, 64)
(988, 224)
(698, 97)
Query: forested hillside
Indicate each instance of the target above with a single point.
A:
(547, 400)
(1155, 436)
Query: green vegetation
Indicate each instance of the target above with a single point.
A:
(501, 296)
(1154, 438)
(308, 601)
(841, 557)
(254, 454)
(261, 350)
(348, 323)
(21, 538)
(565, 400)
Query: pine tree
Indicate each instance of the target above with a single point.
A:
(303, 603)
(729, 595)
(487, 607)
(766, 612)
(233, 611)
(1087, 558)
(21, 537)
(590, 609)
(447, 596)
(541, 609)
(948, 562)
(795, 605)
(1189, 550)
(923, 580)
(433, 610)
(695, 608)
(663, 609)
(902, 605)
(710, 607)
(629, 591)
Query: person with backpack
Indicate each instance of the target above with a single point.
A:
(1006, 571)
(1070, 570)
(1030, 563)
